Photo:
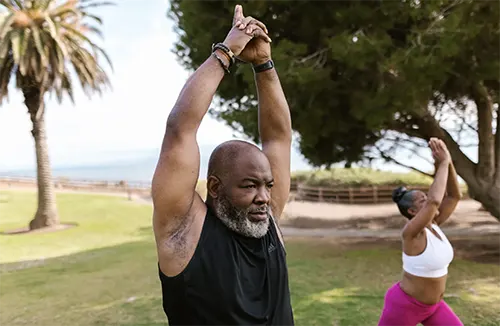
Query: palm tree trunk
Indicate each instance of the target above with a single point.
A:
(46, 214)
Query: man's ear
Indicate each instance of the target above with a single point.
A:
(412, 211)
(213, 186)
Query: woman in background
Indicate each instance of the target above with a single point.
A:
(427, 253)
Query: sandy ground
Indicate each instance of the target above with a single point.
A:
(378, 221)
(329, 211)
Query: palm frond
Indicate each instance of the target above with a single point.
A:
(42, 41)
(24, 62)
(10, 5)
(41, 4)
(39, 46)
(6, 67)
(94, 17)
(20, 4)
(5, 27)
(15, 40)
(94, 46)
(4, 46)
(95, 30)
(95, 4)
(54, 32)
(66, 84)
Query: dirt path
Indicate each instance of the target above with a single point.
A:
(327, 211)
(380, 221)
(383, 234)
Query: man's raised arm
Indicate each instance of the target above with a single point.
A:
(176, 174)
(275, 130)
(275, 126)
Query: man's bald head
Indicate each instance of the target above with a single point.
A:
(239, 187)
(228, 155)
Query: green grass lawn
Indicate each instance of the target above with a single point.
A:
(103, 272)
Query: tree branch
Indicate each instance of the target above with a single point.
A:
(464, 123)
(417, 144)
(312, 55)
(398, 144)
(389, 158)
(397, 139)
(429, 29)
(429, 127)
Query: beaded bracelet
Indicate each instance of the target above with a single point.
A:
(226, 69)
(227, 51)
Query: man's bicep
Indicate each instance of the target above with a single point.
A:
(176, 175)
(278, 154)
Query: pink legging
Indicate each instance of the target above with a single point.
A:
(400, 309)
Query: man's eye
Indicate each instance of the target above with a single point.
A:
(270, 185)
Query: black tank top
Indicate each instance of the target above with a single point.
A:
(230, 280)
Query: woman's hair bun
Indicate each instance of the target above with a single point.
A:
(398, 193)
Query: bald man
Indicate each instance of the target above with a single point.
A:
(223, 262)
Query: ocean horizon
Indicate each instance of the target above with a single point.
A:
(131, 169)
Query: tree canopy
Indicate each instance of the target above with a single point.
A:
(356, 72)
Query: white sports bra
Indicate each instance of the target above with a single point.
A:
(435, 259)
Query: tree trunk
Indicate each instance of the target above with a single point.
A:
(46, 214)
(497, 150)
(489, 197)
(484, 104)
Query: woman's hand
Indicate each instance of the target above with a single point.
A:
(440, 152)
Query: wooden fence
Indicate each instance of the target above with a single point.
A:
(341, 195)
(351, 195)
(81, 185)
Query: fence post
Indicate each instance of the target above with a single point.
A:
(375, 194)
(350, 196)
(320, 199)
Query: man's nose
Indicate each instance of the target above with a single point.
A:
(263, 196)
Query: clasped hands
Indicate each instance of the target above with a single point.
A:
(440, 152)
(248, 39)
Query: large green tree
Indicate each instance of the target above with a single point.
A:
(360, 75)
(44, 44)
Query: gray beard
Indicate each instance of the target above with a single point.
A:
(237, 219)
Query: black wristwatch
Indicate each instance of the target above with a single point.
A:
(263, 66)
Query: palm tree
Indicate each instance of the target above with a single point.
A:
(40, 41)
